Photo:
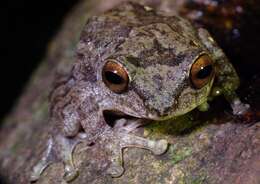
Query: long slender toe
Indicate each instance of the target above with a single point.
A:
(46, 160)
(38, 169)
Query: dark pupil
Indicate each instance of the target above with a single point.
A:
(205, 72)
(113, 78)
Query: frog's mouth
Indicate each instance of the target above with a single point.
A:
(113, 117)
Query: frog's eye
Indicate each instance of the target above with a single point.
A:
(202, 71)
(115, 76)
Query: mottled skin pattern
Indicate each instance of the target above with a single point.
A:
(157, 52)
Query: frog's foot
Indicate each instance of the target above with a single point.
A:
(239, 108)
(43, 163)
(59, 149)
(129, 140)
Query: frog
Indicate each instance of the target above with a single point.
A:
(134, 66)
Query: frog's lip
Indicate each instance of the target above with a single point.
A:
(111, 116)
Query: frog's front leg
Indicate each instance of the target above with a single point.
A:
(123, 138)
(239, 108)
(63, 139)
(227, 80)
(59, 149)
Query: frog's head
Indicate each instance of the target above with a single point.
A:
(158, 91)
(153, 67)
(166, 73)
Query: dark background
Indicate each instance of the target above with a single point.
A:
(26, 32)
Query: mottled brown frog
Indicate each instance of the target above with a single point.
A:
(134, 65)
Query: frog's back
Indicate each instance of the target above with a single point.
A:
(131, 29)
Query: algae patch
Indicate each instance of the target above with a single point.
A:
(177, 155)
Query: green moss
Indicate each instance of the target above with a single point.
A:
(196, 180)
(172, 126)
(177, 155)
